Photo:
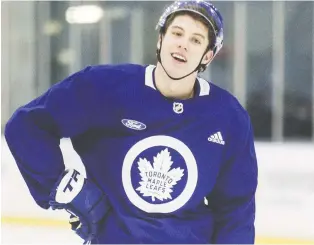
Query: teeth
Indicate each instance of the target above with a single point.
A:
(178, 57)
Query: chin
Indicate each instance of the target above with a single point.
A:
(176, 70)
(180, 72)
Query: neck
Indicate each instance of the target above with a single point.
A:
(176, 89)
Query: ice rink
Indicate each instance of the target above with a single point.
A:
(61, 234)
(17, 234)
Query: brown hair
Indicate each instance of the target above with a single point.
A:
(197, 17)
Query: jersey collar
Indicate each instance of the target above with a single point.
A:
(204, 86)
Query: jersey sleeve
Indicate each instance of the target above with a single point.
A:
(33, 133)
(233, 197)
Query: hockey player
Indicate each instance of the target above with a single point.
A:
(169, 156)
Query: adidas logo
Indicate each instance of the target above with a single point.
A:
(216, 138)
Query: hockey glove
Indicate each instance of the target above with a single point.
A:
(85, 201)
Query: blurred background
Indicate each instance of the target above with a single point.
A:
(267, 62)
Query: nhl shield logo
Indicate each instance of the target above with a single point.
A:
(177, 107)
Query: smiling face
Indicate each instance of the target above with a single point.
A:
(183, 45)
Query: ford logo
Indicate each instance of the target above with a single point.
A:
(133, 124)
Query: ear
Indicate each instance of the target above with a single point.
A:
(208, 57)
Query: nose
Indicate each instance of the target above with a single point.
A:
(183, 44)
(182, 47)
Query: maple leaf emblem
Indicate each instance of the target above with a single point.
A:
(158, 179)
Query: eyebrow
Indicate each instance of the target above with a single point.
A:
(197, 34)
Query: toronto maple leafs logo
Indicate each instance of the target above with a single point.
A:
(158, 179)
(159, 174)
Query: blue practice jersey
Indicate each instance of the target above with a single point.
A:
(175, 171)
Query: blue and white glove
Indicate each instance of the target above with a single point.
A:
(85, 201)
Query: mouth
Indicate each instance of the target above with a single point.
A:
(179, 57)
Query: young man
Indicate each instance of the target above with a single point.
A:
(169, 156)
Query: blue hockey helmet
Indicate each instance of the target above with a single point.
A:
(204, 9)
